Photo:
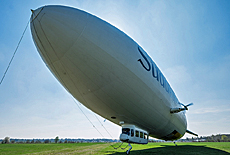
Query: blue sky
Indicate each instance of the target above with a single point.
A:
(188, 40)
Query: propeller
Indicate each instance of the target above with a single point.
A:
(186, 106)
(176, 110)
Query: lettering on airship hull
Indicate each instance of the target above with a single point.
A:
(156, 73)
(149, 67)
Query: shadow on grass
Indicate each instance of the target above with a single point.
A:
(174, 150)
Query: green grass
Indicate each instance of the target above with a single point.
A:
(208, 148)
(42, 149)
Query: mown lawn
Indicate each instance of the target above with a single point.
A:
(42, 149)
(209, 148)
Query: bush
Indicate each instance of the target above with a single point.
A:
(38, 141)
(6, 140)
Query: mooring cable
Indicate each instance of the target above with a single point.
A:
(14, 52)
(103, 126)
(87, 117)
(111, 136)
(96, 128)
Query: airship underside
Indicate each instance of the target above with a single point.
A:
(107, 71)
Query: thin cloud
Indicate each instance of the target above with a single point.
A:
(211, 110)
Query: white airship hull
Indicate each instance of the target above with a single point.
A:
(101, 67)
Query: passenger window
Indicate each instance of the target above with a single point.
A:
(141, 134)
(137, 133)
(145, 136)
(126, 131)
(132, 132)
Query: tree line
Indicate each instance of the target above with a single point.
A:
(212, 138)
(7, 140)
(219, 138)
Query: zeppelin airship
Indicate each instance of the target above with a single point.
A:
(109, 73)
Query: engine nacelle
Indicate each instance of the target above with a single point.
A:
(176, 110)
(133, 134)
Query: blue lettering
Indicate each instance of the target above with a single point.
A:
(156, 73)
(154, 70)
(161, 79)
(149, 67)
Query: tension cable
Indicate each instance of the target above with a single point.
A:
(103, 126)
(111, 136)
(87, 117)
(97, 129)
(14, 53)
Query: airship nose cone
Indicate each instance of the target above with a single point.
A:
(35, 13)
(55, 29)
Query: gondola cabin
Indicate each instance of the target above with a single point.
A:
(133, 134)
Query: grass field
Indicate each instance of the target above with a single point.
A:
(103, 148)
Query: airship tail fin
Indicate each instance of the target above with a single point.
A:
(192, 133)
